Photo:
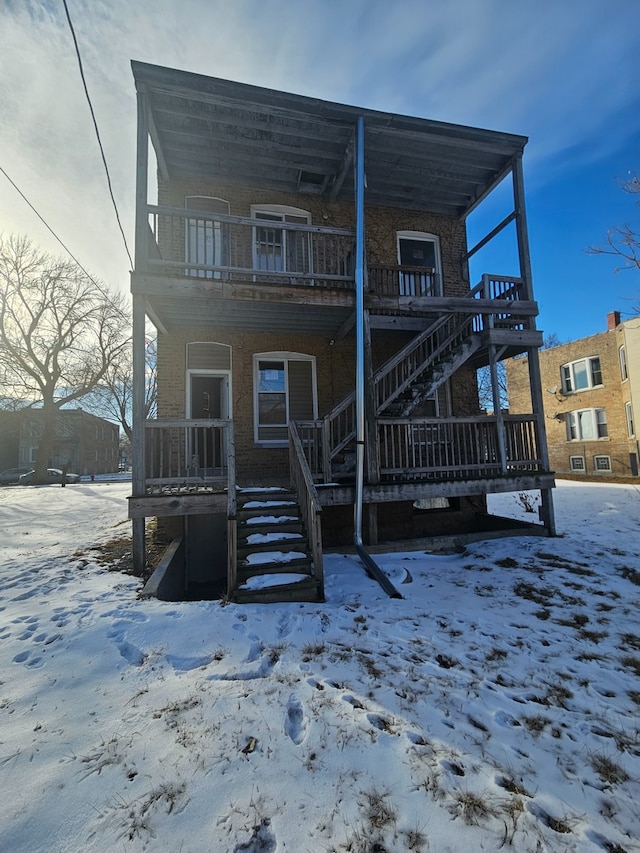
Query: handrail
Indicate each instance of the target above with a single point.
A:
(308, 500)
(232, 524)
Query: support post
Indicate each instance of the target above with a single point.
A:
(139, 315)
(547, 514)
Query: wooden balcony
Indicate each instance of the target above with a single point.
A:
(189, 468)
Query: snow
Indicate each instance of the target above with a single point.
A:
(494, 707)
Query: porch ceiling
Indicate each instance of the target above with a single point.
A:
(204, 126)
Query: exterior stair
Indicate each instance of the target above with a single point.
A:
(272, 541)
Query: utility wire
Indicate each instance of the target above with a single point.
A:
(95, 124)
(97, 285)
(46, 224)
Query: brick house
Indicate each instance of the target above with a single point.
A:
(83, 442)
(306, 268)
(591, 401)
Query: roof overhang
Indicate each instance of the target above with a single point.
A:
(205, 127)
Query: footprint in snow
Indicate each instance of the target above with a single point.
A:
(295, 721)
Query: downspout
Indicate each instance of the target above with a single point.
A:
(371, 567)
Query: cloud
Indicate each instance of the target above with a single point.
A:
(553, 71)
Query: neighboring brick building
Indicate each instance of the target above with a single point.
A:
(591, 394)
(86, 444)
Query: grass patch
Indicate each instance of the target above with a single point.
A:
(608, 770)
(629, 574)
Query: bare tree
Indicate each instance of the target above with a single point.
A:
(622, 241)
(60, 333)
(112, 398)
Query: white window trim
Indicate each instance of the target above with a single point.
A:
(282, 210)
(285, 357)
(606, 470)
(571, 366)
(628, 411)
(426, 237)
(574, 417)
(581, 467)
(624, 370)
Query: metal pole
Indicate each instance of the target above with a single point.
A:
(371, 567)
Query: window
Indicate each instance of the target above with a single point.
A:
(631, 431)
(622, 353)
(582, 374)
(577, 463)
(602, 463)
(586, 424)
(418, 252)
(278, 249)
(284, 390)
(33, 454)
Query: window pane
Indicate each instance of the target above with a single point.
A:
(273, 409)
(566, 378)
(580, 376)
(596, 372)
(601, 419)
(272, 376)
(585, 420)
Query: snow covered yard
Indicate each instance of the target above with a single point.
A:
(495, 707)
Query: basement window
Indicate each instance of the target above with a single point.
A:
(602, 463)
(577, 463)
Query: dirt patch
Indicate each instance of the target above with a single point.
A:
(116, 555)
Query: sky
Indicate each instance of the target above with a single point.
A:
(493, 707)
(563, 74)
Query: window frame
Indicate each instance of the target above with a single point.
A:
(407, 288)
(274, 214)
(624, 369)
(599, 424)
(568, 374)
(286, 357)
(598, 470)
(628, 411)
(581, 467)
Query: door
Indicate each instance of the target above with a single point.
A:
(418, 252)
(208, 400)
(206, 238)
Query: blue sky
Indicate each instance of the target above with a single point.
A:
(564, 73)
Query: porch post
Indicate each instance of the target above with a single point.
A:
(139, 315)
(497, 407)
(547, 514)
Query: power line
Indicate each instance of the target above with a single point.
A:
(97, 285)
(46, 224)
(95, 124)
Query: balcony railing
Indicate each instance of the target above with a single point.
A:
(434, 448)
(208, 245)
(457, 448)
(188, 453)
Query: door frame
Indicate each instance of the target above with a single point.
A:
(425, 237)
(225, 402)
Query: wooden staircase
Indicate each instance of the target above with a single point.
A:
(272, 543)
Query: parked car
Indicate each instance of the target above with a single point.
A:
(54, 475)
(12, 476)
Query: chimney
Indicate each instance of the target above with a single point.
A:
(613, 320)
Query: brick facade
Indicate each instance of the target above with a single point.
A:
(612, 394)
(335, 361)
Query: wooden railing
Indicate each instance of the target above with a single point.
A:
(310, 507)
(457, 448)
(402, 280)
(209, 245)
(187, 452)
